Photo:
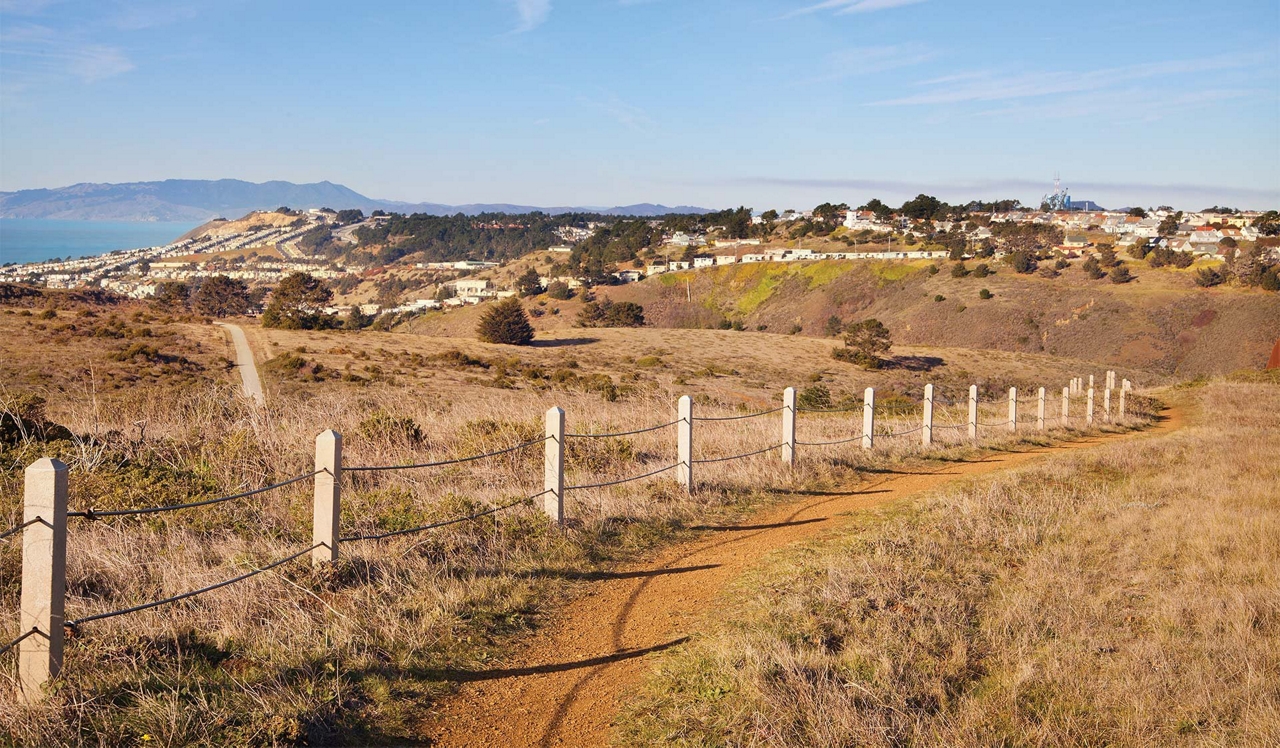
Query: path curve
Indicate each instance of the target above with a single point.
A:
(565, 685)
(250, 384)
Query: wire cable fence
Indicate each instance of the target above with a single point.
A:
(193, 593)
(620, 481)
(756, 414)
(92, 513)
(829, 443)
(647, 429)
(19, 528)
(31, 632)
(849, 409)
(442, 463)
(443, 523)
(709, 460)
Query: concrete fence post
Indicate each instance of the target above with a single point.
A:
(973, 411)
(1040, 411)
(1090, 381)
(328, 497)
(926, 437)
(869, 418)
(1088, 413)
(684, 442)
(1013, 409)
(1066, 405)
(1126, 385)
(789, 426)
(1122, 403)
(1106, 405)
(553, 466)
(44, 569)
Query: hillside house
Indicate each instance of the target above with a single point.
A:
(1075, 241)
(471, 287)
(726, 259)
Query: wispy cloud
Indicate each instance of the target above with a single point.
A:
(42, 52)
(533, 13)
(974, 87)
(631, 117)
(853, 61)
(845, 7)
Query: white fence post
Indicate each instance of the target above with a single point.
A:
(553, 466)
(1088, 413)
(927, 431)
(1090, 381)
(44, 569)
(973, 411)
(1126, 385)
(1040, 411)
(789, 426)
(869, 418)
(684, 442)
(1013, 409)
(1066, 404)
(1106, 405)
(328, 497)
(1122, 402)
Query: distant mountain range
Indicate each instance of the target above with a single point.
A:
(202, 200)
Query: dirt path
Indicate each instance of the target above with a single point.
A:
(251, 384)
(565, 685)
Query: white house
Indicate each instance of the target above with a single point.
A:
(703, 262)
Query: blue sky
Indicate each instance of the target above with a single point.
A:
(768, 103)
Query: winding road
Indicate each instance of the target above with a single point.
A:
(251, 385)
(564, 687)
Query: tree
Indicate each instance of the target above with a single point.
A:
(559, 290)
(985, 294)
(505, 322)
(981, 270)
(221, 296)
(958, 270)
(529, 283)
(298, 303)
(1137, 212)
(1138, 250)
(1268, 224)
(1091, 268)
(350, 215)
(1169, 225)
(171, 296)
(834, 326)
(1023, 262)
(863, 343)
(881, 211)
(1209, 277)
(607, 313)
(1121, 274)
(1107, 256)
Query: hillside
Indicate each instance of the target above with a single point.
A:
(198, 200)
(1160, 322)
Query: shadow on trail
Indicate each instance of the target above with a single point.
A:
(741, 528)
(471, 676)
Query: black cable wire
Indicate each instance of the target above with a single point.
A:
(92, 513)
(19, 528)
(738, 457)
(16, 642)
(623, 480)
(432, 526)
(370, 468)
(827, 444)
(737, 418)
(626, 433)
(827, 410)
(192, 593)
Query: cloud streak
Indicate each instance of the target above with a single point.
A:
(984, 87)
(847, 7)
(532, 13)
(846, 63)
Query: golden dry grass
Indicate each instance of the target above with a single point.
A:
(355, 652)
(1125, 596)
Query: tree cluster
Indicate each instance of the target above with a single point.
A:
(607, 313)
(864, 342)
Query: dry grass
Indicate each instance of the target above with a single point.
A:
(355, 653)
(1125, 596)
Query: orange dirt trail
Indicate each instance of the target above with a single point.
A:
(566, 683)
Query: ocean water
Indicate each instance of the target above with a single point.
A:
(38, 239)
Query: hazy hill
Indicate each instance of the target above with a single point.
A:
(201, 200)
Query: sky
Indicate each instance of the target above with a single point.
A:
(718, 103)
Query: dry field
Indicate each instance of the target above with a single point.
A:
(356, 652)
(1129, 595)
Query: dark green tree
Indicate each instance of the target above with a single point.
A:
(221, 296)
(607, 313)
(297, 303)
(529, 283)
(863, 343)
(1121, 274)
(505, 322)
(171, 296)
(1091, 268)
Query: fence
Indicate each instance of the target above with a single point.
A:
(42, 619)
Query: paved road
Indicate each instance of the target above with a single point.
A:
(252, 386)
